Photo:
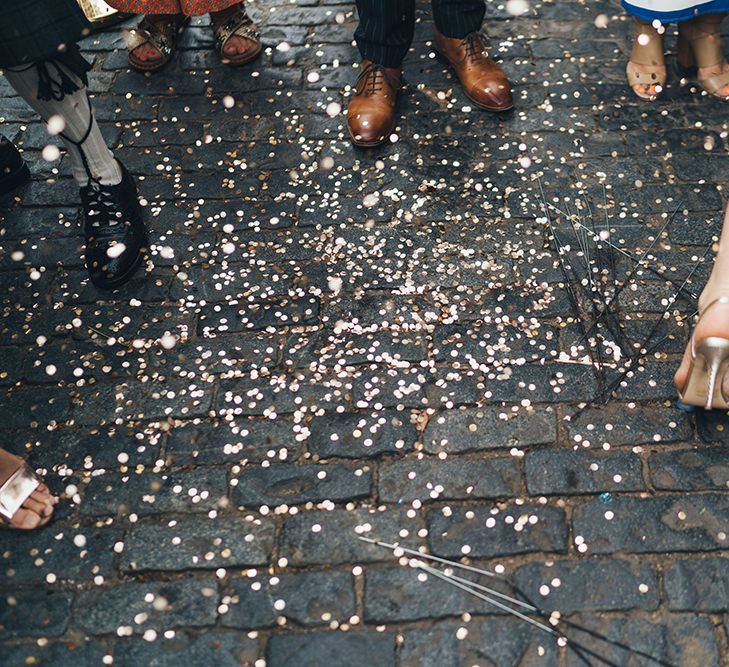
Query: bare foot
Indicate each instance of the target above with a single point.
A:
(236, 45)
(721, 68)
(36, 511)
(653, 75)
(713, 322)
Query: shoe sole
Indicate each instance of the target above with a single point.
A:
(125, 277)
(480, 105)
(12, 181)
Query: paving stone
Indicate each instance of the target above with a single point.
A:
(406, 594)
(408, 480)
(588, 585)
(66, 553)
(307, 536)
(671, 523)
(34, 614)
(565, 472)
(456, 431)
(698, 585)
(321, 649)
(148, 493)
(292, 484)
(490, 531)
(226, 649)
(54, 654)
(501, 642)
(620, 424)
(690, 469)
(678, 639)
(310, 598)
(252, 440)
(181, 603)
(196, 542)
(361, 434)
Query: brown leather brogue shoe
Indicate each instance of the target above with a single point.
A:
(371, 114)
(483, 81)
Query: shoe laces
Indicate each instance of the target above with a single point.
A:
(102, 209)
(476, 45)
(374, 79)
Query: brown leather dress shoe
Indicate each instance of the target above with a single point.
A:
(371, 114)
(483, 81)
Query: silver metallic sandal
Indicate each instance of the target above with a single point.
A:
(17, 482)
(709, 363)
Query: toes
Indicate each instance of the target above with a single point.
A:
(25, 520)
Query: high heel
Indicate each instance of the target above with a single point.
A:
(709, 363)
(647, 52)
(699, 46)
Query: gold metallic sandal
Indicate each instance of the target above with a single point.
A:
(647, 52)
(699, 45)
(17, 482)
(709, 363)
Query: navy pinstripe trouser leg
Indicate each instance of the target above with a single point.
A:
(385, 30)
(458, 18)
(386, 27)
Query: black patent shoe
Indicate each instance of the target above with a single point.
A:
(116, 238)
(13, 170)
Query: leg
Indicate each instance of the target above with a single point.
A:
(90, 157)
(458, 18)
(699, 45)
(113, 224)
(646, 70)
(385, 30)
(716, 322)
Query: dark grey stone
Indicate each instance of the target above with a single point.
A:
(653, 525)
(291, 484)
(180, 603)
(197, 542)
(324, 649)
(566, 471)
(311, 599)
(698, 585)
(460, 479)
(491, 530)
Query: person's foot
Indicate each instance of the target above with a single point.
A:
(116, 238)
(236, 35)
(718, 73)
(152, 43)
(700, 46)
(713, 322)
(25, 501)
(371, 114)
(13, 170)
(483, 80)
(646, 69)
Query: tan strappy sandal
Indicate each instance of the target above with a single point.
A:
(237, 24)
(699, 46)
(709, 364)
(647, 53)
(18, 482)
(161, 35)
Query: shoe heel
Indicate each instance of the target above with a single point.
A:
(12, 181)
(715, 352)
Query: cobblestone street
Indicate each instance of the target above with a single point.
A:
(332, 342)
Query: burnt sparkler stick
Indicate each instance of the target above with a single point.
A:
(457, 583)
(614, 385)
(437, 559)
(474, 589)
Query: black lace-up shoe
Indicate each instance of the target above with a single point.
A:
(116, 238)
(13, 171)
